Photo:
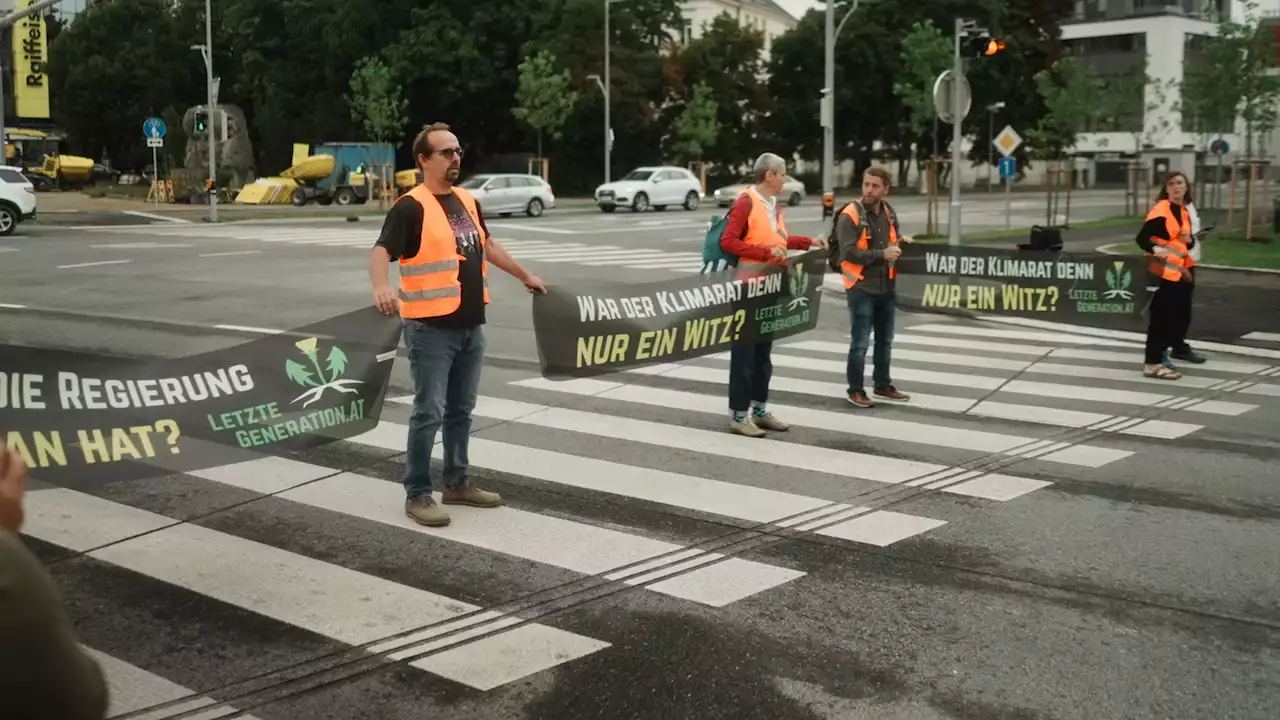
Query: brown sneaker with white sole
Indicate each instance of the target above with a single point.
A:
(889, 392)
(861, 400)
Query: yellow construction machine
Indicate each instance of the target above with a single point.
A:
(36, 152)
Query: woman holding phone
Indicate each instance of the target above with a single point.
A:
(1167, 240)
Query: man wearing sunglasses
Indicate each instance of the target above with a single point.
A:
(437, 235)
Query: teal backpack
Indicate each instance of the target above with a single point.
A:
(715, 259)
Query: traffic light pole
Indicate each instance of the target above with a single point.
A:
(208, 70)
(957, 137)
(827, 113)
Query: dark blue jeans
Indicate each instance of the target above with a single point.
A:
(869, 312)
(445, 365)
(750, 369)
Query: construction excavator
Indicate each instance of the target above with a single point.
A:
(36, 152)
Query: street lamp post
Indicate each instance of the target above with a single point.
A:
(991, 136)
(206, 51)
(604, 91)
(828, 105)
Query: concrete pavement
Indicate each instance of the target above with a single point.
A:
(1038, 533)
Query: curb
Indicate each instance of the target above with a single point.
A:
(1106, 249)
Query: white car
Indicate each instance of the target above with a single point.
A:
(509, 193)
(651, 187)
(792, 192)
(17, 199)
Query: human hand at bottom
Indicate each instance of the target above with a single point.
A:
(13, 487)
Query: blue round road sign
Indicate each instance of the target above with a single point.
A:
(154, 128)
(1219, 147)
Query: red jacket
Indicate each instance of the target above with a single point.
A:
(736, 227)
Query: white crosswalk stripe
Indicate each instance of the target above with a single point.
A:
(532, 250)
(589, 465)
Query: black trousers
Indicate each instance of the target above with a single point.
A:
(1169, 321)
(750, 368)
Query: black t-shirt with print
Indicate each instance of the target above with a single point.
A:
(402, 236)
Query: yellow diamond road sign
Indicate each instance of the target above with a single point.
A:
(1007, 141)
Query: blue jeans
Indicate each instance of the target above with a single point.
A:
(445, 365)
(750, 369)
(869, 312)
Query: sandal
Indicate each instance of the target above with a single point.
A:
(1162, 373)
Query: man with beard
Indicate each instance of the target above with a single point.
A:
(437, 235)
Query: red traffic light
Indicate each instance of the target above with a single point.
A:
(993, 47)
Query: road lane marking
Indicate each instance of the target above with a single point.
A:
(250, 329)
(130, 689)
(729, 499)
(861, 425)
(94, 264)
(229, 254)
(1262, 336)
(140, 246)
(11, 306)
(323, 598)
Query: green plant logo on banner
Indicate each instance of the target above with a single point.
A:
(1119, 280)
(336, 365)
(798, 285)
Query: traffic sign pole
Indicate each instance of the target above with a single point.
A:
(953, 229)
(1006, 142)
(155, 129)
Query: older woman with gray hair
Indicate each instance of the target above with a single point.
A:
(756, 233)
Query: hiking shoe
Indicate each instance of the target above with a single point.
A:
(769, 422)
(860, 399)
(468, 494)
(425, 511)
(746, 427)
(889, 392)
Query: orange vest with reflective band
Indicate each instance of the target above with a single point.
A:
(849, 272)
(429, 285)
(1173, 266)
(759, 230)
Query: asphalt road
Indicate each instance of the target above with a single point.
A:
(1106, 557)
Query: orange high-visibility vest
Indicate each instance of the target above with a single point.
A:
(429, 285)
(1173, 266)
(760, 230)
(851, 273)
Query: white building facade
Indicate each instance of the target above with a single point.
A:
(1109, 35)
(763, 15)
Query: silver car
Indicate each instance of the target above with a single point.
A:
(792, 192)
(506, 194)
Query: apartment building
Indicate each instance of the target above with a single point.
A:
(764, 15)
(1109, 36)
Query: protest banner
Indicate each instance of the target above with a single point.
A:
(585, 331)
(1061, 286)
(84, 417)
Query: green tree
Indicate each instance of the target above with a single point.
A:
(375, 100)
(1243, 54)
(697, 127)
(1071, 93)
(1129, 102)
(545, 97)
(926, 52)
(726, 58)
(103, 83)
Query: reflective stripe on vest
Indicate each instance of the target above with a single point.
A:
(851, 273)
(1171, 267)
(429, 285)
(759, 229)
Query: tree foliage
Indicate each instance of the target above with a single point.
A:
(375, 101)
(1071, 93)
(545, 97)
(697, 127)
(460, 63)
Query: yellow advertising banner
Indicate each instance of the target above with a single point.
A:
(30, 53)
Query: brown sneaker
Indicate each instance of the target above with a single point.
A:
(746, 427)
(468, 494)
(861, 400)
(769, 422)
(425, 511)
(889, 392)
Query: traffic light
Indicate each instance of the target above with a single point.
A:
(985, 46)
(202, 121)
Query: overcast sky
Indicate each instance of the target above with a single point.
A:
(797, 7)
